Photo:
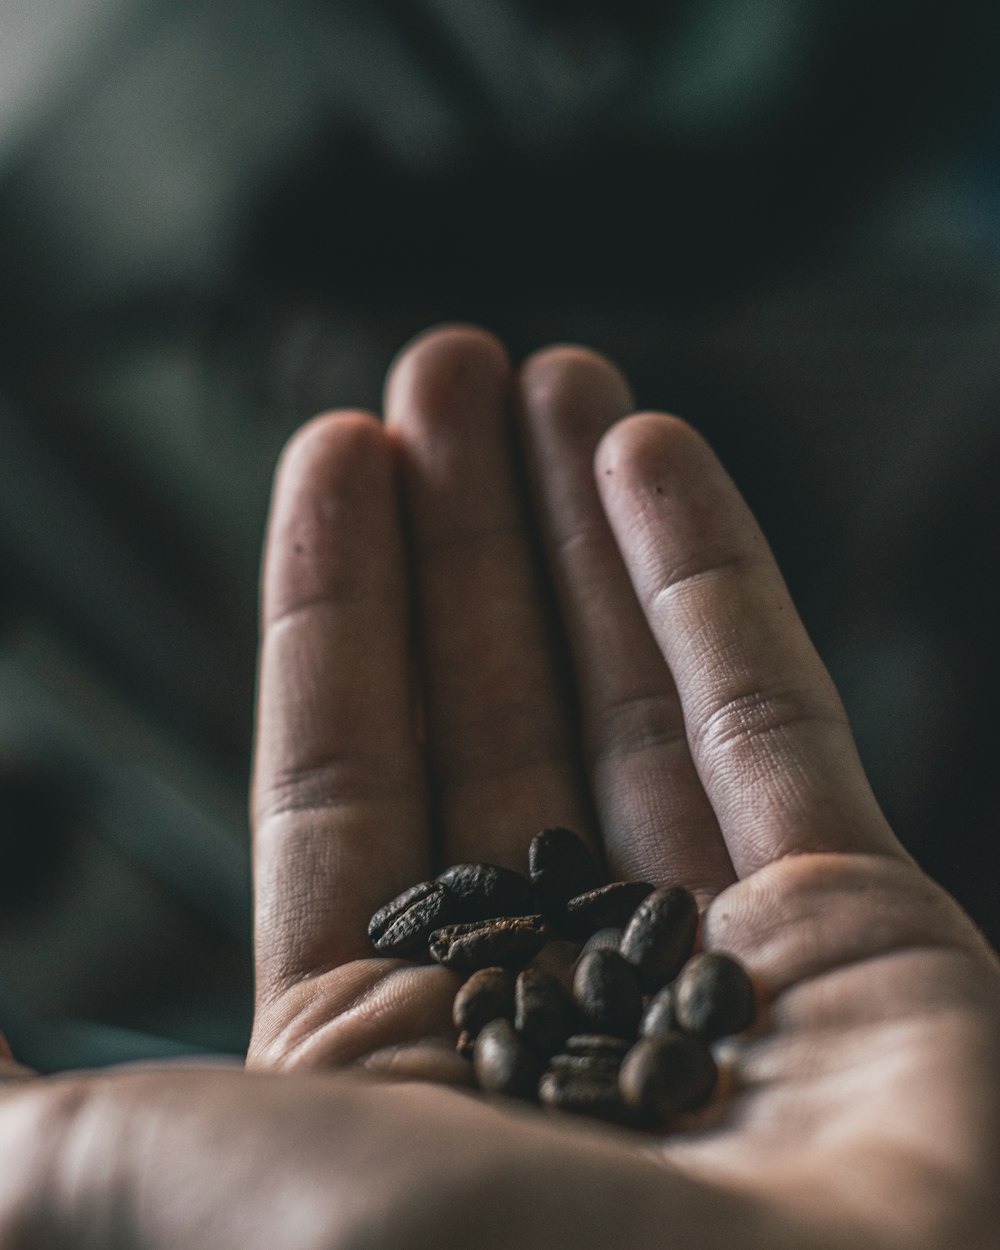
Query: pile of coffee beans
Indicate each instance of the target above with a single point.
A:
(628, 1039)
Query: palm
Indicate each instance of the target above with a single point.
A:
(702, 743)
(880, 1040)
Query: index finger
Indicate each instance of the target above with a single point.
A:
(338, 781)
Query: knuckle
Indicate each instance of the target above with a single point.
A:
(321, 786)
(743, 720)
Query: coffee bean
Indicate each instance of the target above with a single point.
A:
(506, 941)
(667, 1074)
(487, 995)
(660, 935)
(483, 891)
(586, 1065)
(607, 993)
(560, 867)
(479, 919)
(608, 907)
(597, 1044)
(403, 926)
(503, 1065)
(603, 940)
(659, 1016)
(594, 1094)
(545, 1013)
(713, 996)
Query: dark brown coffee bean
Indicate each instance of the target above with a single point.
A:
(560, 867)
(659, 1016)
(594, 1094)
(667, 1074)
(661, 935)
(403, 926)
(465, 1045)
(505, 941)
(607, 992)
(545, 1013)
(503, 1065)
(487, 995)
(713, 996)
(603, 940)
(608, 907)
(485, 890)
(597, 1044)
(586, 1065)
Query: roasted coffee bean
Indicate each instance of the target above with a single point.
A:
(483, 891)
(667, 1074)
(608, 907)
(465, 1045)
(403, 926)
(660, 935)
(560, 867)
(597, 1044)
(607, 993)
(603, 940)
(713, 996)
(545, 1013)
(586, 1065)
(659, 1016)
(505, 941)
(503, 1064)
(594, 1094)
(487, 995)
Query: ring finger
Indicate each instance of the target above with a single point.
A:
(655, 819)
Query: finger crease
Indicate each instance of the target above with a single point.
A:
(328, 786)
(746, 718)
(349, 595)
(687, 576)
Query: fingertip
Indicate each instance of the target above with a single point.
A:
(326, 438)
(645, 448)
(450, 332)
(567, 384)
(655, 472)
(441, 365)
(334, 477)
(339, 454)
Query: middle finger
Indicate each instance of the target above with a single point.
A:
(502, 755)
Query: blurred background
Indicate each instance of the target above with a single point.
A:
(782, 217)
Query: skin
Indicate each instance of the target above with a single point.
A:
(422, 579)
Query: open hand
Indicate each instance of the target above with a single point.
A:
(698, 740)
(421, 597)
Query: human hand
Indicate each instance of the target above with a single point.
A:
(702, 744)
